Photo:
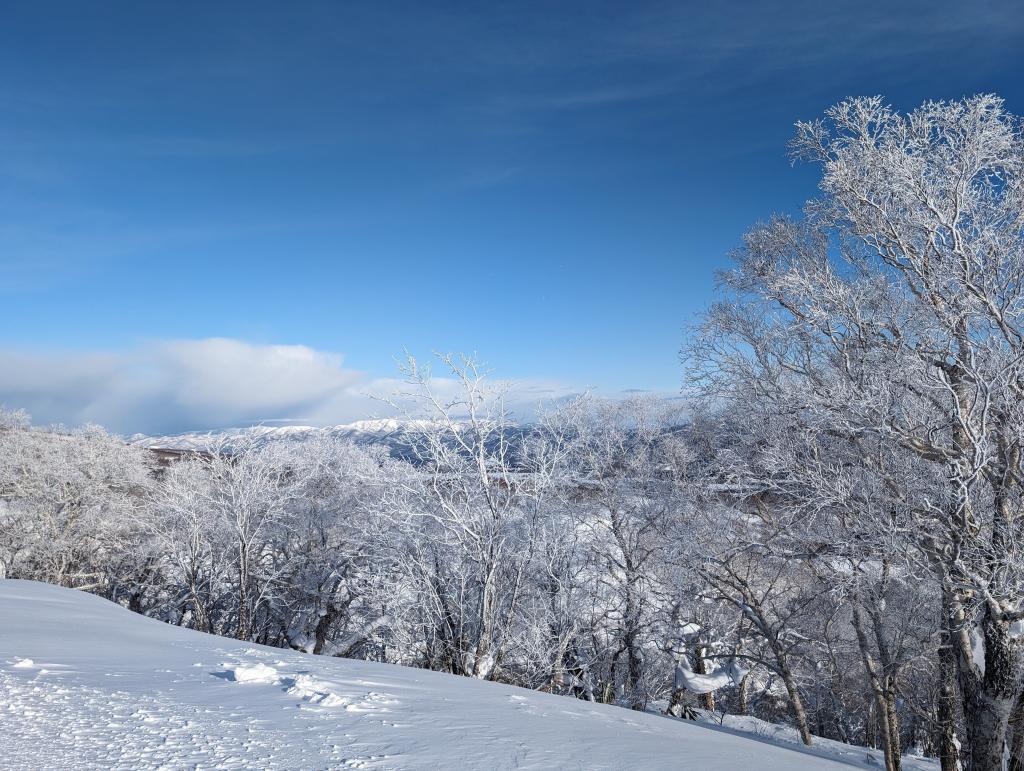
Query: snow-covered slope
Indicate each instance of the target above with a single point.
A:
(87, 684)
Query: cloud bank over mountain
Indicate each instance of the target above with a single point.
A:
(179, 385)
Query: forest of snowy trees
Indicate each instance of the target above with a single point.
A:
(826, 531)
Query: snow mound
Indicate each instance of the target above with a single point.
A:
(253, 673)
(124, 691)
(310, 689)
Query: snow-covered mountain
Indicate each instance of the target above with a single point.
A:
(385, 431)
(398, 436)
(86, 684)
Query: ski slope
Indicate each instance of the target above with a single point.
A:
(87, 684)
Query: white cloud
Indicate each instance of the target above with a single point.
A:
(179, 385)
(229, 373)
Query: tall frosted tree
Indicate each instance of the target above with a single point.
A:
(893, 313)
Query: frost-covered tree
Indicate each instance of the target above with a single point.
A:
(338, 592)
(249, 493)
(468, 516)
(891, 314)
(68, 500)
(194, 542)
(627, 464)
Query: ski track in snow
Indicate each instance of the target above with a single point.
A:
(85, 684)
(47, 717)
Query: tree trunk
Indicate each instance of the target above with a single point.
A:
(631, 642)
(894, 749)
(483, 658)
(988, 720)
(557, 680)
(700, 667)
(674, 700)
(883, 691)
(243, 593)
(743, 697)
(323, 626)
(990, 697)
(795, 702)
(870, 724)
(948, 702)
(1017, 744)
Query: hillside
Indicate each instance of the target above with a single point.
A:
(87, 684)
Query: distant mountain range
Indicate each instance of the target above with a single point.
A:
(398, 436)
(386, 431)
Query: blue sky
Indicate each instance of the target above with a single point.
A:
(551, 185)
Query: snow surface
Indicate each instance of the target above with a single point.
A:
(720, 677)
(87, 684)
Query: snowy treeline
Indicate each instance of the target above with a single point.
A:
(604, 555)
(829, 534)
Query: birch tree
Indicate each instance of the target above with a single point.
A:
(470, 513)
(893, 310)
